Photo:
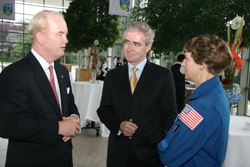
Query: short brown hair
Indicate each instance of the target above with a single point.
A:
(210, 50)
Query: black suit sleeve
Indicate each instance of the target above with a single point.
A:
(168, 102)
(17, 122)
(105, 111)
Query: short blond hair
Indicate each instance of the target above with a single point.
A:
(39, 22)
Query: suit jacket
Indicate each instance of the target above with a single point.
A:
(179, 79)
(29, 115)
(152, 108)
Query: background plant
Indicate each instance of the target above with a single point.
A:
(176, 21)
(232, 90)
(89, 20)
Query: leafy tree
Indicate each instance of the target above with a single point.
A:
(176, 21)
(88, 20)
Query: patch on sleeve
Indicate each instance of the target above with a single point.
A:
(190, 117)
(162, 146)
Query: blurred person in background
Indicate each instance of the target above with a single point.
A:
(179, 79)
(118, 63)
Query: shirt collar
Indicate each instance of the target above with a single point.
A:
(140, 66)
(45, 65)
(205, 86)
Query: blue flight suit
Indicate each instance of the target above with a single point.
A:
(199, 135)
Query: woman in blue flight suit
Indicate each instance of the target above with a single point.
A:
(198, 137)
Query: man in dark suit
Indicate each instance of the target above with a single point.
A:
(37, 110)
(179, 78)
(137, 119)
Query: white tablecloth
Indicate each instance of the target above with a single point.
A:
(238, 149)
(3, 149)
(87, 98)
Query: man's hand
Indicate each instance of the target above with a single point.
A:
(69, 127)
(128, 128)
(65, 138)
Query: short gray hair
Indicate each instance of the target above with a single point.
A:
(144, 28)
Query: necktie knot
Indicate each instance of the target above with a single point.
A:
(134, 69)
(51, 69)
(133, 79)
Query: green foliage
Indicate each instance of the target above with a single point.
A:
(177, 21)
(88, 20)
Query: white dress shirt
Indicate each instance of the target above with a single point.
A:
(140, 67)
(45, 65)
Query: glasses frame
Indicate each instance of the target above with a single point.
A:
(134, 44)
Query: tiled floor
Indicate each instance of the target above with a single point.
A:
(88, 150)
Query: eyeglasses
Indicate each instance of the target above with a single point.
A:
(134, 44)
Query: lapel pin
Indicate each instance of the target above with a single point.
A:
(62, 76)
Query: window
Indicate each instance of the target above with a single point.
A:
(14, 36)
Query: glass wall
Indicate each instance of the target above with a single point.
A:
(14, 36)
(244, 105)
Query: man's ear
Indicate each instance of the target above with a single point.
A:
(148, 47)
(40, 38)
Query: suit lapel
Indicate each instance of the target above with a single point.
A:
(124, 78)
(145, 77)
(63, 87)
(43, 83)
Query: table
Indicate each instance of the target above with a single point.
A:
(87, 98)
(238, 149)
(3, 150)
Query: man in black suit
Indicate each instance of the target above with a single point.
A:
(37, 110)
(179, 78)
(137, 119)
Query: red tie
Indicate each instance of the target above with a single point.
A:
(52, 83)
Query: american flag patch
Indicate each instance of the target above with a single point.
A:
(190, 117)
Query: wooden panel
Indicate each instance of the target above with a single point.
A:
(68, 66)
(83, 74)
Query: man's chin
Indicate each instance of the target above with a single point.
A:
(59, 56)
